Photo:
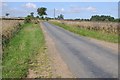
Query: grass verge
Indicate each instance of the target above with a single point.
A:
(40, 66)
(90, 33)
(20, 50)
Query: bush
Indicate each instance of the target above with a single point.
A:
(28, 19)
(31, 19)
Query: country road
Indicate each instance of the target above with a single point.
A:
(84, 58)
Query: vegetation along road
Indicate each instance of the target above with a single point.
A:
(83, 56)
(23, 52)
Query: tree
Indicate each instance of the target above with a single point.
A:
(28, 19)
(37, 17)
(58, 17)
(32, 14)
(7, 14)
(61, 16)
(42, 11)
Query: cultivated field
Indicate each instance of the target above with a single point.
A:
(107, 31)
(8, 25)
(109, 27)
(9, 28)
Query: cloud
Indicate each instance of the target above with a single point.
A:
(59, 10)
(93, 9)
(23, 10)
(62, 9)
(17, 12)
(30, 5)
(78, 9)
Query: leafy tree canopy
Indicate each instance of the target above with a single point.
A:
(42, 11)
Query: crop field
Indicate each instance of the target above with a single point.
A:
(99, 30)
(108, 27)
(9, 29)
(8, 25)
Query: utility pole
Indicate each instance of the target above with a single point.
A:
(54, 13)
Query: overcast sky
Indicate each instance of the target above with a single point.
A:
(70, 10)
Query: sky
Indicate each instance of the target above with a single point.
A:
(70, 10)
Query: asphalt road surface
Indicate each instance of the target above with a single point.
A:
(84, 58)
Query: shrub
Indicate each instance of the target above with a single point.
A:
(28, 19)
(31, 19)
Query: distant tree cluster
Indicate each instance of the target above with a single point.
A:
(41, 15)
(82, 19)
(60, 17)
(103, 18)
(30, 18)
(99, 18)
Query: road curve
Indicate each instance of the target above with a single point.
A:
(84, 58)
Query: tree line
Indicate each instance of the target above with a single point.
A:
(104, 18)
(100, 18)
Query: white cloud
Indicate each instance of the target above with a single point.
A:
(30, 5)
(73, 9)
(60, 10)
(22, 10)
(78, 9)
(91, 8)
(17, 12)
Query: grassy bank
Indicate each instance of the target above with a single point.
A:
(89, 33)
(20, 50)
